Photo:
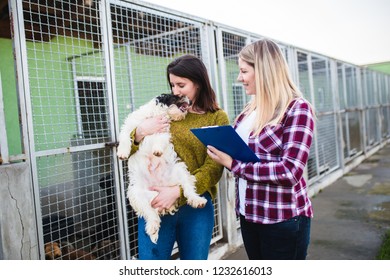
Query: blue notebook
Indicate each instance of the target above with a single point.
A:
(226, 139)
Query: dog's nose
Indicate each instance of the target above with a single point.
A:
(157, 154)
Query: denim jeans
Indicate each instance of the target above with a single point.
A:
(286, 240)
(191, 228)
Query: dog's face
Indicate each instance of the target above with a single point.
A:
(177, 106)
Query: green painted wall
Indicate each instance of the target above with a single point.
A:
(138, 78)
(10, 98)
(52, 91)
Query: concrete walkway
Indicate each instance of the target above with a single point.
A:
(351, 215)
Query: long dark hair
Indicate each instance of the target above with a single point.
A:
(192, 68)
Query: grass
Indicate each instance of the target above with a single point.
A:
(384, 252)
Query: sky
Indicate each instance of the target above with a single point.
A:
(353, 31)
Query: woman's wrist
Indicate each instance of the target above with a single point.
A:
(139, 135)
(180, 191)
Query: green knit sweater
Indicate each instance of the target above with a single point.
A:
(190, 150)
(194, 154)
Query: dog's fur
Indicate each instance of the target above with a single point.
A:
(66, 251)
(156, 163)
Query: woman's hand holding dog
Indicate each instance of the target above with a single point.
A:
(166, 198)
(151, 126)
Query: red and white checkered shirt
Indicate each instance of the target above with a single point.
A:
(276, 189)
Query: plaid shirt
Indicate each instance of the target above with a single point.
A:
(276, 189)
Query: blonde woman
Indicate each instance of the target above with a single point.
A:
(277, 124)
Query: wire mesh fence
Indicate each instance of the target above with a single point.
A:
(89, 63)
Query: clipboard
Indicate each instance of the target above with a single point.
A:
(225, 139)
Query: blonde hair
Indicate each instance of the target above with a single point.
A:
(275, 88)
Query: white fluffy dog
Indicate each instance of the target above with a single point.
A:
(156, 163)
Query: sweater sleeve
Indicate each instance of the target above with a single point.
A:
(206, 171)
(209, 174)
(135, 145)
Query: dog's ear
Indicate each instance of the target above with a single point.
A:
(166, 99)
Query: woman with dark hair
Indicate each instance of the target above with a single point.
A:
(190, 227)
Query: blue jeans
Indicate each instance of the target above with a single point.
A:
(286, 240)
(191, 228)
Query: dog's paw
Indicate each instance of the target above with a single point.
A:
(196, 201)
(152, 229)
(123, 152)
(170, 211)
(154, 238)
